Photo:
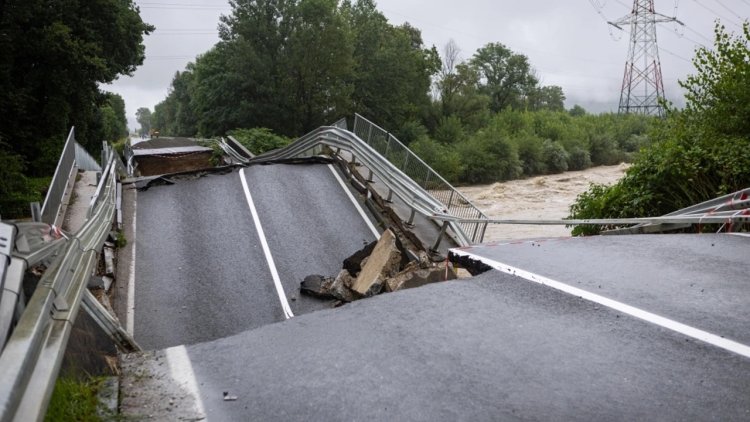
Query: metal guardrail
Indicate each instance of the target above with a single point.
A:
(84, 160)
(33, 354)
(399, 183)
(63, 172)
(428, 179)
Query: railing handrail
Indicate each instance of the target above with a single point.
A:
(412, 154)
(33, 354)
(60, 180)
(401, 184)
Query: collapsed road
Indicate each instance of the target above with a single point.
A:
(605, 328)
(201, 269)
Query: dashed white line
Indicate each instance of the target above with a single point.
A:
(130, 312)
(182, 373)
(266, 250)
(356, 204)
(695, 333)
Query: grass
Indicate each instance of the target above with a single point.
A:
(74, 400)
(121, 241)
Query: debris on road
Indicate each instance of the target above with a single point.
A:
(381, 266)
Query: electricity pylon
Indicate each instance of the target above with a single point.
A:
(642, 84)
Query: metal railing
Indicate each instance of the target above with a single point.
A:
(399, 183)
(84, 160)
(60, 181)
(428, 179)
(32, 356)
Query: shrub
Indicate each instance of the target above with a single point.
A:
(259, 140)
(579, 159)
(555, 157)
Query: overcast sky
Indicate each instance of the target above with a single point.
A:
(568, 42)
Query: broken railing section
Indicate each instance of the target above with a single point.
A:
(428, 179)
(399, 184)
(382, 266)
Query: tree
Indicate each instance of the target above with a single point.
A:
(505, 77)
(113, 120)
(55, 55)
(547, 98)
(143, 117)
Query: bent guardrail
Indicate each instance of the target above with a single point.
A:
(399, 183)
(410, 164)
(33, 354)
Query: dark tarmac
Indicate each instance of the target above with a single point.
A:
(200, 271)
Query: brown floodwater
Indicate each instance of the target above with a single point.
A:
(541, 197)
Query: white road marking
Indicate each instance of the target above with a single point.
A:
(266, 250)
(182, 373)
(356, 204)
(130, 312)
(695, 333)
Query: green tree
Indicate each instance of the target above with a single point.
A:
(547, 98)
(505, 77)
(143, 117)
(113, 120)
(55, 55)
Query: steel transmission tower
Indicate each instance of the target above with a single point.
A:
(642, 85)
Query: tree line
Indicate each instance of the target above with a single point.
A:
(54, 57)
(293, 65)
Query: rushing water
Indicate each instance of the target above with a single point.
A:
(541, 197)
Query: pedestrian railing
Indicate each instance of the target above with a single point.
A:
(428, 179)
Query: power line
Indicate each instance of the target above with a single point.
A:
(717, 14)
(730, 10)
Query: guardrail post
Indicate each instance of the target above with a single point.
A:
(369, 177)
(390, 196)
(435, 247)
(36, 212)
(450, 200)
(411, 217)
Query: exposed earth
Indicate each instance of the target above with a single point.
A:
(540, 197)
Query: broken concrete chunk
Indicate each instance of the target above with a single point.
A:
(341, 288)
(382, 264)
(414, 276)
(354, 263)
(317, 286)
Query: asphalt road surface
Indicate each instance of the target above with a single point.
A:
(700, 280)
(201, 272)
(495, 347)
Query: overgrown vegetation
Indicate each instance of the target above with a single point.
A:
(697, 153)
(54, 56)
(291, 66)
(517, 144)
(74, 400)
(259, 140)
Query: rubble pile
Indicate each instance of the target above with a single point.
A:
(381, 266)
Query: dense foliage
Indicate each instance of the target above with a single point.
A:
(293, 65)
(698, 153)
(516, 144)
(54, 56)
(259, 140)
